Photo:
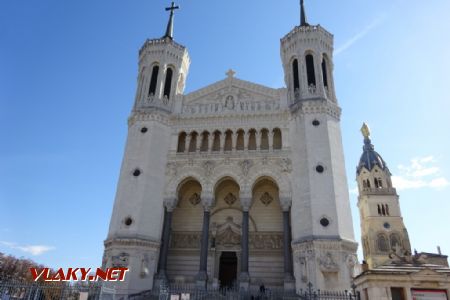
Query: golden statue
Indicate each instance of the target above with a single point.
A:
(365, 130)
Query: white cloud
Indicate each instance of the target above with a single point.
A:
(422, 172)
(377, 21)
(32, 249)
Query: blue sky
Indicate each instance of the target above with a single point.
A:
(67, 82)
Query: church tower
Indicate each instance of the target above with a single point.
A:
(382, 227)
(322, 231)
(134, 237)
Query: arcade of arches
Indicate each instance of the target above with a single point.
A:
(226, 239)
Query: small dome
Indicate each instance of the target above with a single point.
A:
(370, 158)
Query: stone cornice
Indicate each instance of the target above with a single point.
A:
(240, 120)
(317, 106)
(308, 34)
(149, 115)
(131, 242)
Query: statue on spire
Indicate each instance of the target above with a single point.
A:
(365, 130)
(169, 30)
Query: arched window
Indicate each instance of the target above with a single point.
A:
(264, 139)
(240, 140)
(181, 142)
(154, 80)
(324, 72)
(168, 83)
(228, 141)
(368, 183)
(205, 143)
(387, 209)
(383, 210)
(382, 243)
(310, 70)
(395, 241)
(295, 74)
(277, 139)
(193, 143)
(379, 209)
(252, 140)
(216, 142)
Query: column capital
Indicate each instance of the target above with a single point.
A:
(170, 203)
(207, 202)
(246, 202)
(286, 203)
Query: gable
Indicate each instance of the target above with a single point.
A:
(231, 96)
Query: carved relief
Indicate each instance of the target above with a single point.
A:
(209, 167)
(327, 263)
(267, 241)
(171, 169)
(230, 199)
(183, 240)
(121, 260)
(228, 238)
(194, 199)
(286, 165)
(245, 166)
(266, 199)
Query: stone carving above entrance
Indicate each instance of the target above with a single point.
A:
(228, 238)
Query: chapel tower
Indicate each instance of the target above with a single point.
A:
(134, 237)
(322, 231)
(382, 227)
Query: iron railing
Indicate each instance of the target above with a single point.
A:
(19, 290)
(191, 292)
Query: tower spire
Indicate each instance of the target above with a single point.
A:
(303, 21)
(169, 30)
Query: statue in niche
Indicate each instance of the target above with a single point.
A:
(229, 102)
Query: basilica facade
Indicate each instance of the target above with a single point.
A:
(235, 184)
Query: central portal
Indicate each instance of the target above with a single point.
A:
(227, 269)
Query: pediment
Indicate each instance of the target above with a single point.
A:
(231, 95)
(426, 272)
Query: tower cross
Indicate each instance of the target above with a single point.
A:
(169, 30)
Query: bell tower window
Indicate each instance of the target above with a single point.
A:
(324, 72)
(295, 74)
(168, 83)
(310, 70)
(153, 80)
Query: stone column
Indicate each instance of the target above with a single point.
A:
(164, 249)
(222, 141)
(210, 142)
(198, 142)
(246, 140)
(289, 282)
(234, 140)
(188, 142)
(202, 276)
(270, 136)
(258, 140)
(244, 278)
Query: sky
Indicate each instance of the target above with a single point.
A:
(68, 73)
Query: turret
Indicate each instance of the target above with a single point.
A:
(382, 227)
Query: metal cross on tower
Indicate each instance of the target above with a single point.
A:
(169, 30)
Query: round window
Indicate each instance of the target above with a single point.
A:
(128, 221)
(316, 123)
(387, 225)
(324, 222)
(136, 173)
(320, 169)
(144, 129)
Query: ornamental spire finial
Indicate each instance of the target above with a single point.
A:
(169, 30)
(365, 130)
(303, 21)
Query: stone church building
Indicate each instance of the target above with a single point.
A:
(235, 184)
